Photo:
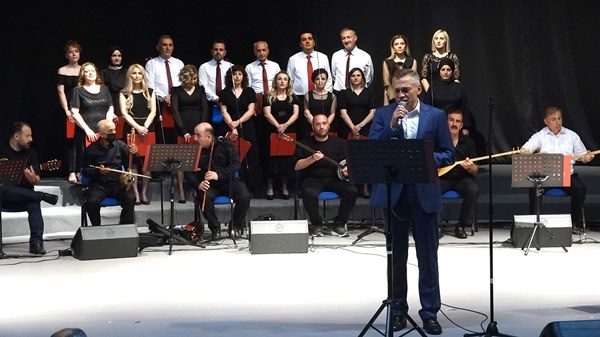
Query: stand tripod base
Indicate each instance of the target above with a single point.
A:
(491, 330)
(389, 330)
(373, 229)
(540, 226)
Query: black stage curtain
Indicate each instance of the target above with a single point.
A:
(525, 54)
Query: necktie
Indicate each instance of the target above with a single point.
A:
(169, 79)
(309, 70)
(348, 71)
(265, 79)
(218, 84)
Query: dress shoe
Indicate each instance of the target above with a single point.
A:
(460, 233)
(37, 248)
(52, 199)
(269, 196)
(285, 196)
(137, 203)
(399, 323)
(215, 234)
(145, 202)
(181, 201)
(432, 326)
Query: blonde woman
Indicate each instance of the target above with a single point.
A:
(440, 49)
(281, 108)
(138, 105)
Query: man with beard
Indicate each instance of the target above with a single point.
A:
(462, 177)
(22, 197)
(318, 175)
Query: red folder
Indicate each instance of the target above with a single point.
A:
(143, 143)
(241, 145)
(280, 147)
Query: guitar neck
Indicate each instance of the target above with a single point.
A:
(495, 155)
(329, 160)
(582, 155)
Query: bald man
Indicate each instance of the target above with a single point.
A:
(108, 153)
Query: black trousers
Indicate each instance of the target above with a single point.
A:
(96, 193)
(468, 188)
(577, 191)
(20, 199)
(241, 198)
(311, 187)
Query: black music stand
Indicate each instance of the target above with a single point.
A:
(172, 158)
(11, 172)
(390, 161)
(539, 170)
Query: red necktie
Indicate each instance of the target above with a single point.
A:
(169, 79)
(218, 84)
(309, 70)
(265, 79)
(348, 71)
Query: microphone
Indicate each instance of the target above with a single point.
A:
(221, 139)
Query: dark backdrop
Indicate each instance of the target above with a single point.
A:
(524, 54)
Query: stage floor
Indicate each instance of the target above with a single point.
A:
(333, 290)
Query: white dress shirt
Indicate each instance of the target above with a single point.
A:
(156, 74)
(207, 75)
(255, 78)
(565, 142)
(358, 59)
(297, 69)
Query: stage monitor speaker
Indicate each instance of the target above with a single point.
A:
(105, 242)
(278, 236)
(589, 328)
(558, 224)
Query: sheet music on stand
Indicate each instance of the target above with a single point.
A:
(187, 154)
(556, 166)
(11, 171)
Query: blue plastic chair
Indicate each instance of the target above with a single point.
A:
(324, 196)
(106, 202)
(454, 195)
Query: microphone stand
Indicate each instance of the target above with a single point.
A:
(492, 328)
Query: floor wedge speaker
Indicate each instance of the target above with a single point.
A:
(278, 236)
(105, 242)
(589, 328)
(558, 225)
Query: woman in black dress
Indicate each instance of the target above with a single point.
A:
(237, 110)
(448, 94)
(189, 108)
(399, 59)
(114, 78)
(68, 75)
(281, 108)
(91, 103)
(320, 101)
(440, 49)
(138, 104)
(357, 110)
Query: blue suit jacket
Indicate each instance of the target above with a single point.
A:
(433, 125)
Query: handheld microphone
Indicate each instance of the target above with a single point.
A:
(221, 139)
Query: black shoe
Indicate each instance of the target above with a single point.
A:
(215, 234)
(317, 231)
(432, 326)
(340, 231)
(37, 248)
(460, 233)
(52, 199)
(399, 323)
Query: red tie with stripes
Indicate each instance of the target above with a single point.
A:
(309, 70)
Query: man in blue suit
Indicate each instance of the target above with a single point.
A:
(414, 205)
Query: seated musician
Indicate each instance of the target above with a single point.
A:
(215, 177)
(22, 197)
(554, 138)
(318, 175)
(462, 177)
(100, 161)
